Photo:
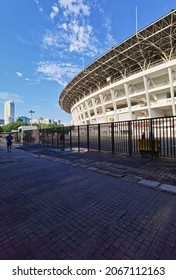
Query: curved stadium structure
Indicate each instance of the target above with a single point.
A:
(134, 80)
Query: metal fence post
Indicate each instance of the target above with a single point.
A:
(47, 137)
(52, 138)
(70, 138)
(88, 137)
(43, 137)
(151, 137)
(57, 139)
(99, 140)
(63, 136)
(78, 140)
(112, 137)
(129, 138)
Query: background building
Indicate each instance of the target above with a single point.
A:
(1, 122)
(45, 121)
(134, 80)
(9, 112)
(25, 119)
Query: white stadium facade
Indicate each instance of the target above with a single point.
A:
(134, 80)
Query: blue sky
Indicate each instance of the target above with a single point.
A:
(45, 43)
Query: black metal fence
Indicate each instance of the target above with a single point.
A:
(156, 136)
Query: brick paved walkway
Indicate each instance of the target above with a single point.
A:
(162, 170)
(57, 208)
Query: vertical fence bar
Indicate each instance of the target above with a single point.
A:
(170, 135)
(88, 137)
(163, 135)
(151, 138)
(70, 138)
(43, 136)
(99, 139)
(52, 138)
(167, 140)
(63, 137)
(43, 139)
(129, 138)
(47, 138)
(78, 140)
(112, 138)
(57, 137)
(174, 146)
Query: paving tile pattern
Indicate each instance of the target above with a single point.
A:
(53, 209)
(158, 169)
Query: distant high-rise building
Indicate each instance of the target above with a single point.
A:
(9, 112)
(1, 122)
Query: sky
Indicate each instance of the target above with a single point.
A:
(44, 44)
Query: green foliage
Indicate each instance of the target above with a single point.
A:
(19, 120)
(46, 126)
(13, 125)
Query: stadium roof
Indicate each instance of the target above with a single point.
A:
(150, 46)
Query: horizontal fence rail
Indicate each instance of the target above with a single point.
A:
(156, 136)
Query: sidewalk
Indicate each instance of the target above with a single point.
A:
(156, 172)
(63, 205)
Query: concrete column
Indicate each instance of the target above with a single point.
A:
(146, 87)
(78, 115)
(88, 111)
(127, 91)
(94, 108)
(74, 116)
(102, 100)
(114, 105)
(172, 90)
(83, 113)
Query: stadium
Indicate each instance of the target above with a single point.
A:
(134, 80)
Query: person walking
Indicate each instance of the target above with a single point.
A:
(9, 139)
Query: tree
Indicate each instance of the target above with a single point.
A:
(19, 119)
(13, 125)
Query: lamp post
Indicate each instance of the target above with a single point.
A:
(31, 112)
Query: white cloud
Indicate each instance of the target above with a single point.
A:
(57, 71)
(73, 36)
(110, 40)
(55, 11)
(50, 39)
(74, 7)
(72, 29)
(64, 26)
(80, 38)
(38, 5)
(73, 32)
(4, 95)
(19, 74)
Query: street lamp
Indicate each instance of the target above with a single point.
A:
(31, 112)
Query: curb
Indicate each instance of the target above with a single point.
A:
(134, 179)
